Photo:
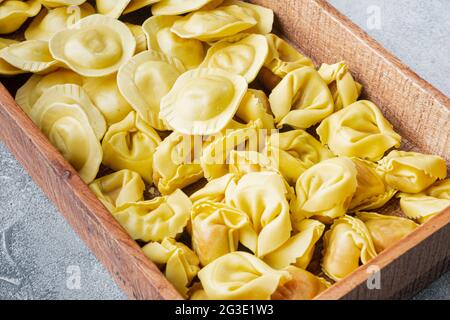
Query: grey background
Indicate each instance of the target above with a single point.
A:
(38, 249)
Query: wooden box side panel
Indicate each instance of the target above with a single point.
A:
(419, 112)
(136, 275)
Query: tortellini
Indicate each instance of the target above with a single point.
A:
(176, 7)
(334, 180)
(217, 229)
(359, 130)
(14, 13)
(423, 206)
(181, 263)
(243, 55)
(263, 197)
(301, 100)
(295, 151)
(130, 144)
(386, 230)
(203, 101)
(156, 219)
(145, 80)
(240, 275)
(255, 107)
(346, 244)
(49, 22)
(303, 286)
(214, 190)
(174, 163)
(264, 16)
(115, 8)
(344, 88)
(6, 68)
(95, 46)
(190, 52)
(118, 188)
(411, 172)
(30, 56)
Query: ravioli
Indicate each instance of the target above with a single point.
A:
(49, 22)
(30, 56)
(95, 46)
(174, 163)
(156, 219)
(118, 188)
(386, 230)
(243, 54)
(145, 80)
(301, 100)
(115, 8)
(264, 16)
(255, 107)
(359, 130)
(411, 172)
(423, 206)
(344, 88)
(190, 52)
(181, 263)
(203, 101)
(7, 69)
(295, 151)
(177, 7)
(139, 36)
(13, 14)
(213, 25)
(256, 280)
(130, 144)
(346, 244)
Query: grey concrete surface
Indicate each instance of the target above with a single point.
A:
(42, 258)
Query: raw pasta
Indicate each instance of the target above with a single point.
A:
(14, 13)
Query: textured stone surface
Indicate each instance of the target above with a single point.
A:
(41, 256)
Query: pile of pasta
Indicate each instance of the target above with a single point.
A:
(230, 222)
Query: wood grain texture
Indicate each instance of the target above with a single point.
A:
(123, 258)
(418, 111)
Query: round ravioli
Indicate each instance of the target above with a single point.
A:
(95, 46)
(14, 13)
(203, 101)
(67, 127)
(145, 80)
(32, 90)
(213, 25)
(7, 69)
(49, 22)
(302, 99)
(30, 56)
(243, 55)
(190, 52)
(177, 7)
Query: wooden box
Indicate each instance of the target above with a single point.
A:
(419, 112)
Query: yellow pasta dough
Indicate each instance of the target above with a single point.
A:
(174, 163)
(295, 151)
(177, 7)
(303, 286)
(60, 3)
(411, 172)
(95, 46)
(7, 69)
(145, 80)
(67, 126)
(118, 188)
(181, 263)
(263, 197)
(325, 190)
(217, 229)
(359, 130)
(344, 88)
(214, 190)
(301, 100)
(130, 144)
(264, 16)
(49, 22)
(299, 249)
(227, 21)
(139, 36)
(203, 101)
(386, 230)
(105, 94)
(190, 52)
(115, 8)
(346, 244)
(156, 219)
(423, 206)
(14, 13)
(30, 56)
(240, 275)
(243, 54)
(255, 107)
